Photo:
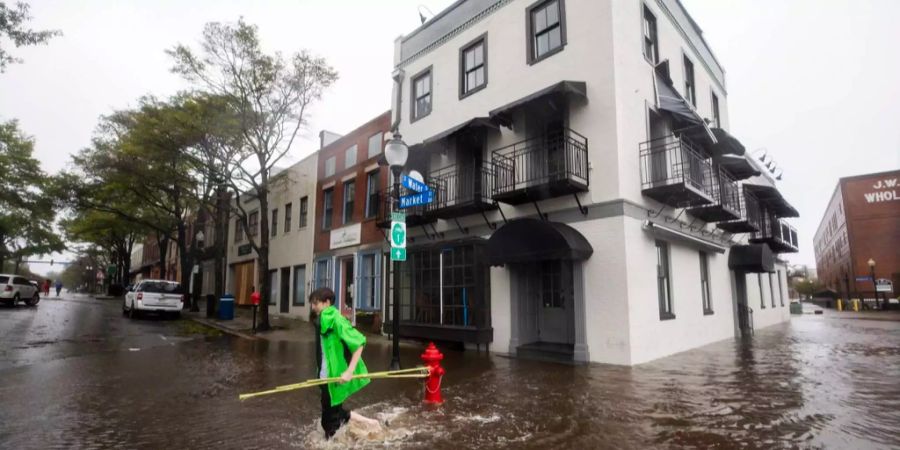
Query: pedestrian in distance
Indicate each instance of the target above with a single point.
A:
(58, 287)
(339, 349)
(46, 288)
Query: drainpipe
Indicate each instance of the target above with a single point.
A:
(398, 96)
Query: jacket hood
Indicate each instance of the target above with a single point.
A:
(327, 318)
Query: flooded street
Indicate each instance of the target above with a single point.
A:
(817, 381)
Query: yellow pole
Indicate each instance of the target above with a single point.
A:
(416, 372)
(840, 306)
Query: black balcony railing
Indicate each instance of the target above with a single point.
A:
(675, 173)
(416, 215)
(541, 167)
(781, 236)
(748, 221)
(461, 189)
(726, 201)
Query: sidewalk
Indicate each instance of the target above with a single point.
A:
(890, 316)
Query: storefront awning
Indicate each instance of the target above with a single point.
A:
(772, 198)
(571, 88)
(726, 143)
(668, 99)
(753, 258)
(478, 122)
(736, 166)
(530, 240)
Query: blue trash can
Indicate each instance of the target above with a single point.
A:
(226, 307)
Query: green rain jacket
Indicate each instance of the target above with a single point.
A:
(339, 341)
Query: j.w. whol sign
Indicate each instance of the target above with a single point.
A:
(885, 191)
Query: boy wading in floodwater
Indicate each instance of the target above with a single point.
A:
(339, 349)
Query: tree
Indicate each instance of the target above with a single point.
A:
(270, 97)
(807, 287)
(115, 235)
(12, 29)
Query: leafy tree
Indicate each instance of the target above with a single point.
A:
(269, 97)
(12, 30)
(808, 287)
(115, 235)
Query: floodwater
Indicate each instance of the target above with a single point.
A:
(816, 382)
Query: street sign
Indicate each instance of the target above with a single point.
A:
(398, 254)
(413, 184)
(398, 237)
(416, 199)
(863, 278)
(884, 285)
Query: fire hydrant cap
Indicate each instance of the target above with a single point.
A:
(432, 353)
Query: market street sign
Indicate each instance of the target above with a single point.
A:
(884, 285)
(416, 199)
(863, 278)
(398, 236)
(413, 184)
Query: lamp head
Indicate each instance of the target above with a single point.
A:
(200, 236)
(396, 152)
(871, 262)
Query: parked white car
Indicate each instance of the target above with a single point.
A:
(14, 288)
(162, 296)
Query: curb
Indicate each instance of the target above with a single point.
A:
(224, 329)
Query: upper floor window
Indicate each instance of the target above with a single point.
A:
(274, 223)
(473, 67)
(715, 111)
(327, 208)
(651, 50)
(349, 196)
(689, 89)
(372, 194)
(350, 157)
(304, 211)
(421, 94)
(762, 295)
(704, 283)
(663, 285)
(287, 217)
(329, 166)
(238, 231)
(546, 29)
(375, 144)
(253, 224)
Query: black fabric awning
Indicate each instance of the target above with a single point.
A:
(736, 166)
(726, 144)
(668, 99)
(753, 258)
(478, 122)
(530, 240)
(571, 88)
(772, 198)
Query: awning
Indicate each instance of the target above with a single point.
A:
(726, 143)
(753, 258)
(668, 99)
(773, 199)
(478, 122)
(572, 88)
(671, 234)
(530, 240)
(736, 166)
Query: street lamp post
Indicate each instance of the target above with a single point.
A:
(874, 285)
(396, 152)
(198, 245)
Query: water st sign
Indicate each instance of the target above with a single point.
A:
(413, 184)
(398, 236)
(423, 198)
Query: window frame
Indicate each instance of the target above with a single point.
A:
(298, 300)
(351, 201)
(304, 212)
(413, 99)
(780, 289)
(771, 290)
(762, 296)
(666, 305)
(328, 208)
(253, 224)
(238, 230)
(348, 161)
(705, 289)
(372, 194)
(274, 223)
(328, 277)
(288, 216)
(374, 279)
(530, 36)
(690, 83)
(332, 161)
(714, 100)
(379, 148)
(463, 73)
(654, 58)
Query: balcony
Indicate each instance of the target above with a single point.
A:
(460, 190)
(726, 203)
(415, 216)
(674, 172)
(778, 234)
(748, 220)
(541, 167)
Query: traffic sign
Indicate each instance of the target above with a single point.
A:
(398, 254)
(884, 285)
(413, 184)
(863, 278)
(398, 234)
(416, 199)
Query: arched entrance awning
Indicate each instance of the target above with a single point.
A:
(530, 240)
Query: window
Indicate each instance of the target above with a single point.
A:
(704, 284)
(662, 281)
(329, 166)
(771, 290)
(273, 286)
(299, 285)
(350, 157)
(762, 296)
(274, 223)
(651, 50)
(473, 67)
(368, 298)
(781, 289)
(328, 207)
(689, 89)
(238, 231)
(349, 194)
(556, 276)
(287, 217)
(371, 194)
(323, 273)
(715, 110)
(421, 95)
(253, 223)
(375, 142)
(304, 209)
(546, 29)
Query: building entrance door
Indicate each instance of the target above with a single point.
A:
(285, 290)
(347, 307)
(745, 313)
(556, 310)
(243, 281)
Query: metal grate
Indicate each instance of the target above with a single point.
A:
(558, 156)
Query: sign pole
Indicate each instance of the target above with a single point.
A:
(395, 319)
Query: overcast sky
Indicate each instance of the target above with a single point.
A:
(813, 82)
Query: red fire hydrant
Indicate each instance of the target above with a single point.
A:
(254, 298)
(432, 358)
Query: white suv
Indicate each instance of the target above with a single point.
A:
(15, 287)
(161, 296)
